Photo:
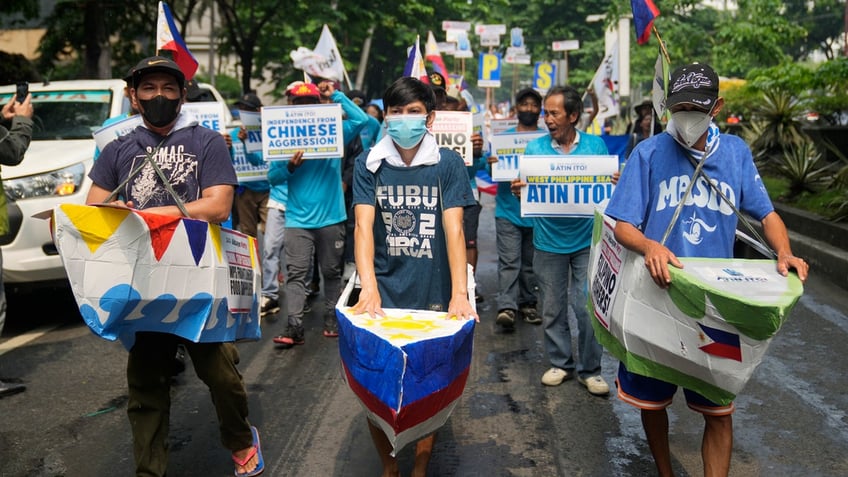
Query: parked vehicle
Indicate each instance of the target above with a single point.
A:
(55, 169)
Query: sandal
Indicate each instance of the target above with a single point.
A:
(255, 450)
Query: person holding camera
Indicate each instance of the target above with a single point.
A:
(15, 135)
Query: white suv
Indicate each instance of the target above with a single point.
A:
(54, 170)
(56, 166)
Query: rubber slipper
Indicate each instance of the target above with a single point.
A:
(256, 450)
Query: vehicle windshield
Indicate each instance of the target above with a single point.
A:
(67, 114)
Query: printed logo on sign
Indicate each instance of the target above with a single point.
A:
(735, 276)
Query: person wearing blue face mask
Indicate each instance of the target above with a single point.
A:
(408, 197)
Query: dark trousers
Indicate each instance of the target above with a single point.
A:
(149, 371)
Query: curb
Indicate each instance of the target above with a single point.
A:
(823, 244)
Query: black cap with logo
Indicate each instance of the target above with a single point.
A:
(695, 84)
(157, 64)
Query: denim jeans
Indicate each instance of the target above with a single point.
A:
(516, 281)
(272, 252)
(553, 271)
(328, 242)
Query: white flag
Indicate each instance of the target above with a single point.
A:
(327, 48)
(606, 86)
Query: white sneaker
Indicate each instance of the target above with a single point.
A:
(555, 376)
(349, 269)
(595, 384)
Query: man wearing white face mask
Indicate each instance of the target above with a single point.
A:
(644, 202)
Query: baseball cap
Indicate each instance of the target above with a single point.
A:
(528, 92)
(437, 80)
(128, 78)
(193, 92)
(695, 84)
(249, 100)
(357, 96)
(299, 89)
(644, 105)
(157, 64)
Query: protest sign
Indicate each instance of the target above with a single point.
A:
(408, 368)
(498, 126)
(245, 170)
(135, 271)
(252, 122)
(453, 130)
(564, 185)
(315, 129)
(107, 134)
(209, 114)
(508, 147)
(707, 332)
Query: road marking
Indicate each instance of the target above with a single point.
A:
(25, 338)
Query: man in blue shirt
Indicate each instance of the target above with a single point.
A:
(315, 214)
(649, 192)
(562, 253)
(514, 234)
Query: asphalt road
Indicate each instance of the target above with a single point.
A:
(791, 417)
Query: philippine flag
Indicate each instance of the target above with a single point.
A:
(724, 344)
(415, 63)
(168, 38)
(644, 12)
(485, 183)
(408, 368)
(432, 54)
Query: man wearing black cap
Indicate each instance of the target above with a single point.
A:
(514, 234)
(200, 185)
(646, 200)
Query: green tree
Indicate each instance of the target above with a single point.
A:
(754, 36)
(824, 21)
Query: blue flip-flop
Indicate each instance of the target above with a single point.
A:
(255, 450)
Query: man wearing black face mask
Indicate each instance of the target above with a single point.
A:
(196, 164)
(514, 234)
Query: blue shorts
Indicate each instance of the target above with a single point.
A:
(653, 394)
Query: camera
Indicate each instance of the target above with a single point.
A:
(22, 92)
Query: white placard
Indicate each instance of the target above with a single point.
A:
(252, 122)
(107, 134)
(245, 171)
(490, 39)
(566, 186)
(565, 45)
(237, 256)
(498, 126)
(451, 25)
(508, 147)
(209, 114)
(519, 59)
(453, 130)
(315, 129)
(481, 30)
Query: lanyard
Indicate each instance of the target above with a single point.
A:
(149, 160)
(760, 246)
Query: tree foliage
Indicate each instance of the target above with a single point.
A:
(101, 38)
